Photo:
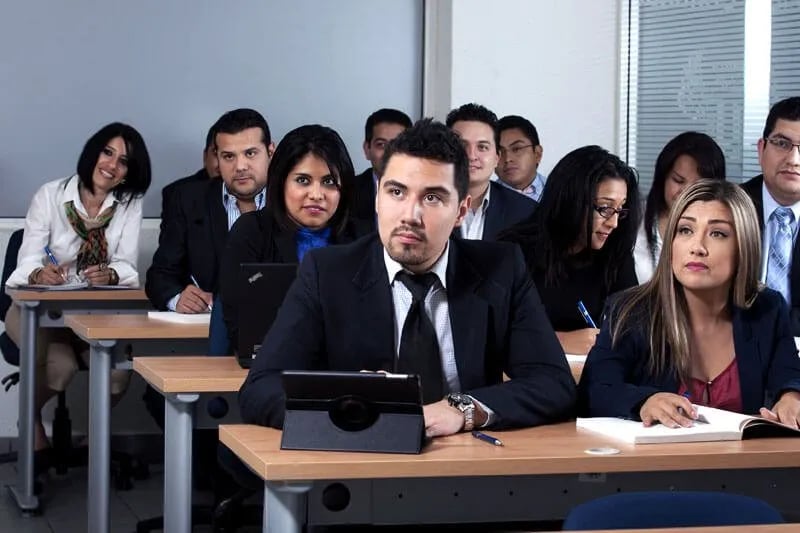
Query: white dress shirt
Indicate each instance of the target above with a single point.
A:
(474, 221)
(46, 224)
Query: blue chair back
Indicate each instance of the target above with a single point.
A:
(7, 346)
(639, 510)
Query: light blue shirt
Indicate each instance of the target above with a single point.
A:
(771, 205)
(532, 191)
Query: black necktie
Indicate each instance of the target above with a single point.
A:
(419, 347)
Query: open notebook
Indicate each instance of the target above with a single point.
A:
(712, 425)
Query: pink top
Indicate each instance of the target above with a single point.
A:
(723, 392)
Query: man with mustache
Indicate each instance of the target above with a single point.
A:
(469, 308)
(776, 195)
(494, 207)
(185, 270)
(520, 155)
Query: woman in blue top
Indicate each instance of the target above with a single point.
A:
(309, 204)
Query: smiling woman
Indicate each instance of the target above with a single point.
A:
(702, 330)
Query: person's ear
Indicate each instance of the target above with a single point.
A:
(463, 207)
(537, 153)
(366, 151)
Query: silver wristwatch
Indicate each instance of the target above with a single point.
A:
(463, 403)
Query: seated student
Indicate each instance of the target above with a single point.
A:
(685, 159)
(520, 155)
(91, 223)
(471, 304)
(494, 207)
(702, 330)
(309, 205)
(578, 243)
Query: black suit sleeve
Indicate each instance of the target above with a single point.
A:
(168, 273)
(245, 245)
(541, 389)
(294, 342)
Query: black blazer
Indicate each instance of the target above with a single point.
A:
(506, 208)
(257, 237)
(193, 236)
(364, 206)
(753, 189)
(339, 315)
(615, 381)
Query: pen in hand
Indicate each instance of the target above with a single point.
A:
(487, 438)
(194, 280)
(586, 316)
(54, 262)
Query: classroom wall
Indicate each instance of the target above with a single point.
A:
(553, 61)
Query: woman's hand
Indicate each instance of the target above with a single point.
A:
(672, 410)
(786, 410)
(51, 275)
(577, 342)
(97, 274)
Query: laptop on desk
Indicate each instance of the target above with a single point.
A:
(262, 288)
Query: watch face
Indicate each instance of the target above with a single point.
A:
(457, 399)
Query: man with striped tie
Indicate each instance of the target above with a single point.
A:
(776, 195)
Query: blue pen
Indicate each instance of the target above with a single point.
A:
(586, 316)
(54, 261)
(487, 438)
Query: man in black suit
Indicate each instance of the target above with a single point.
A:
(193, 237)
(210, 170)
(494, 207)
(776, 195)
(478, 316)
(382, 126)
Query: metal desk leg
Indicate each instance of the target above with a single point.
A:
(23, 491)
(99, 435)
(178, 415)
(285, 506)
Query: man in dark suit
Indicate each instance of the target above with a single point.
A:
(210, 170)
(193, 237)
(382, 126)
(776, 195)
(478, 314)
(494, 207)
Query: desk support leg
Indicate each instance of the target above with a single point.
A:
(99, 435)
(23, 492)
(178, 415)
(285, 506)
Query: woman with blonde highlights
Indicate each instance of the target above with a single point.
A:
(702, 330)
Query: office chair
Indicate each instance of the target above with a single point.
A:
(641, 510)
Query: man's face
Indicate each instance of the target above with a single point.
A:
(519, 158)
(243, 161)
(781, 168)
(382, 133)
(478, 141)
(418, 207)
(210, 162)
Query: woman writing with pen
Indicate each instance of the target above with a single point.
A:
(84, 228)
(578, 244)
(702, 330)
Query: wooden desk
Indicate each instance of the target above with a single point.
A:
(102, 333)
(556, 449)
(180, 380)
(767, 528)
(36, 306)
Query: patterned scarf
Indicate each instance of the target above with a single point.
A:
(94, 248)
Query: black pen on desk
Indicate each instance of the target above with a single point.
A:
(487, 438)
(194, 280)
(54, 261)
(586, 316)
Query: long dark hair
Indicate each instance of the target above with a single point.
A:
(710, 165)
(564, 217)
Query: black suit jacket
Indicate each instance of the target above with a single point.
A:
(753, 189)
(168, 191)
(338, 315)
(364, 206)
(506, 208)
(257, 237)
(616, 382)
(193, 236)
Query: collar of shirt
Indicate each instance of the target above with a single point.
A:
(771, 205)
(375, 180)
(439, 267)
(485, 202)
(232, 208)
(72, 194)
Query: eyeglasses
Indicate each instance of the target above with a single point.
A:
(515, 150)
(606, 211)
(782, 145)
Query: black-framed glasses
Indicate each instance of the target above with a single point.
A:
(784, 146)
(514, 150)
(606, 211)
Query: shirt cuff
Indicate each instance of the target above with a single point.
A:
(490, 416)
(172, 304)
